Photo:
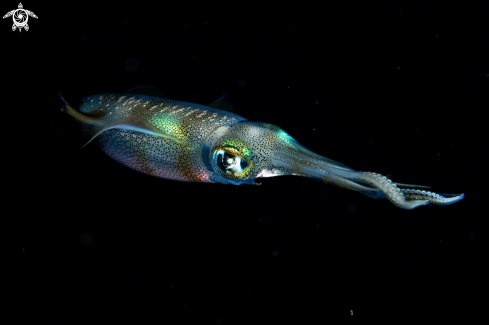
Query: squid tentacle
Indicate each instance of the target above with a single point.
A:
(406, 198)
(432, 197)
(410, 185)
(389, 190)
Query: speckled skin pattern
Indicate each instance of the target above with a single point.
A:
(182, 140)
(157, 156)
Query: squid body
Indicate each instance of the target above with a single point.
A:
(211, 144)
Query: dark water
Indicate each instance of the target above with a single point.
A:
(395, 88)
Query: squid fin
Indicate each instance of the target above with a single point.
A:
(91, 127)
(225, 103)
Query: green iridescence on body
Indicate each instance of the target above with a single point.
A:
(169, 125)
(284, 135)
(239, 146)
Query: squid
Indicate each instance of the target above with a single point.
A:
(147, 132)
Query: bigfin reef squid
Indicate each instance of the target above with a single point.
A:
(145, 131)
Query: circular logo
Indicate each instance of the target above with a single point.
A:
(20, 17)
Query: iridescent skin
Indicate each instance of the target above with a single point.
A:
(182, 141)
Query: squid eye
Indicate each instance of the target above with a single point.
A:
(229, 164)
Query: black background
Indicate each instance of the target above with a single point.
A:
(394, 87)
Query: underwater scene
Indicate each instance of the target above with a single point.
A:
(253, 172)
